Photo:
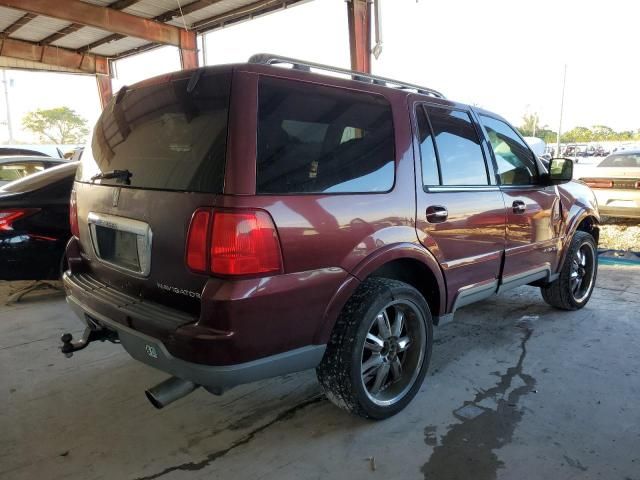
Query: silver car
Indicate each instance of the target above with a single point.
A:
(616, 183)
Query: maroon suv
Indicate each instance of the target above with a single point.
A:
(239, 222)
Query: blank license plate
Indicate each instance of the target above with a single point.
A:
(118, 247)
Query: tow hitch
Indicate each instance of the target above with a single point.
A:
(92, 333)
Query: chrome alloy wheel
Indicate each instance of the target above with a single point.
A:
(582, 272)
(393, 352)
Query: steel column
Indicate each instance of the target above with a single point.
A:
(105, 88)
(359, 18)
(188, 50)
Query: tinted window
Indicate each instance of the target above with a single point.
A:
(167, 135)
(458, 146)
(17, 170)
(427, 151)
(516, 163)
(314, 139)
(41, 179)
(621, 160)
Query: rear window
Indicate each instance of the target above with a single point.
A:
(629, 160)
(41, 179)
(315, 139)
(169, 136)
(15, 171)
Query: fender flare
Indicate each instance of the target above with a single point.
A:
(369, 265)
(572, 228)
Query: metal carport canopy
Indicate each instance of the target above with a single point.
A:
(83, 36)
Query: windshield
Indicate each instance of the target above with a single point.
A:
(622, 160)
(169, 136)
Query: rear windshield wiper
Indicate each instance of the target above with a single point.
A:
(124, 175)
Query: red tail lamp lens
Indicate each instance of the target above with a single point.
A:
(599, 183)
(10, 215)
(197, 241)
(244, 243)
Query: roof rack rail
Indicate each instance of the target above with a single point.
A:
(269, 59)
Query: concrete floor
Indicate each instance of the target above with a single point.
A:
(516, 390)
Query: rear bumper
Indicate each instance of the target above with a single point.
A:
(618, 203)
(153, 352)
(620, 212)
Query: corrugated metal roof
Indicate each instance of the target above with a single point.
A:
(112, 49)
(214, 10)
(81, 38)
(41, 27)
(8, 16)
(153, 8)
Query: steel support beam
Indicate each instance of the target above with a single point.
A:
(188, 50)
(108, 19)
(55, 56)
(105, 88)
(359, 18)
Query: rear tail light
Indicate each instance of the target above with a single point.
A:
(233, 243)
(599, 183)
(638, 184)
(10, 215)
(73, 215)
(197, 239)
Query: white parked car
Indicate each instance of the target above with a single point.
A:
(616, 183)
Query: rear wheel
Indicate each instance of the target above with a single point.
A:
(379, 351)
(574, 286)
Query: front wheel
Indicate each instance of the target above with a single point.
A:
(574, 286)
(379, 350)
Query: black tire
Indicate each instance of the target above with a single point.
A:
(341, 372)
(561, 293)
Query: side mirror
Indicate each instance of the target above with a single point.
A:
(560, 170)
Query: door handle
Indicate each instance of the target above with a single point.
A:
(436, 214)
(519, 206)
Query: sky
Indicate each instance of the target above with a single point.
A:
(502, 55)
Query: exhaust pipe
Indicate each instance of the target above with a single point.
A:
(169, 391)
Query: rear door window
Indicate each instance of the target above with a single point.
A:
(170, 135)
(622, 160)
(317, 139)
(17, 170)
(458, 147)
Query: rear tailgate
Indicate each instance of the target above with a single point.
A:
(156, 155)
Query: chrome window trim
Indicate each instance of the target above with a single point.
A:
(454, 188)
(144, 237)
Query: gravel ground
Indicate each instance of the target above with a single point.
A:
(620, 234)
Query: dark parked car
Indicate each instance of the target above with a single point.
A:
(34, 224)
(15, 167)
(31, 150)
(239, 222)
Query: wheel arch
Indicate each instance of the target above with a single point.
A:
(587, 221)
(406, 262)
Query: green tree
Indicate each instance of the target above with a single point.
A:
(58, 125)
(530, 122)
(578, 134)
(602, 132)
